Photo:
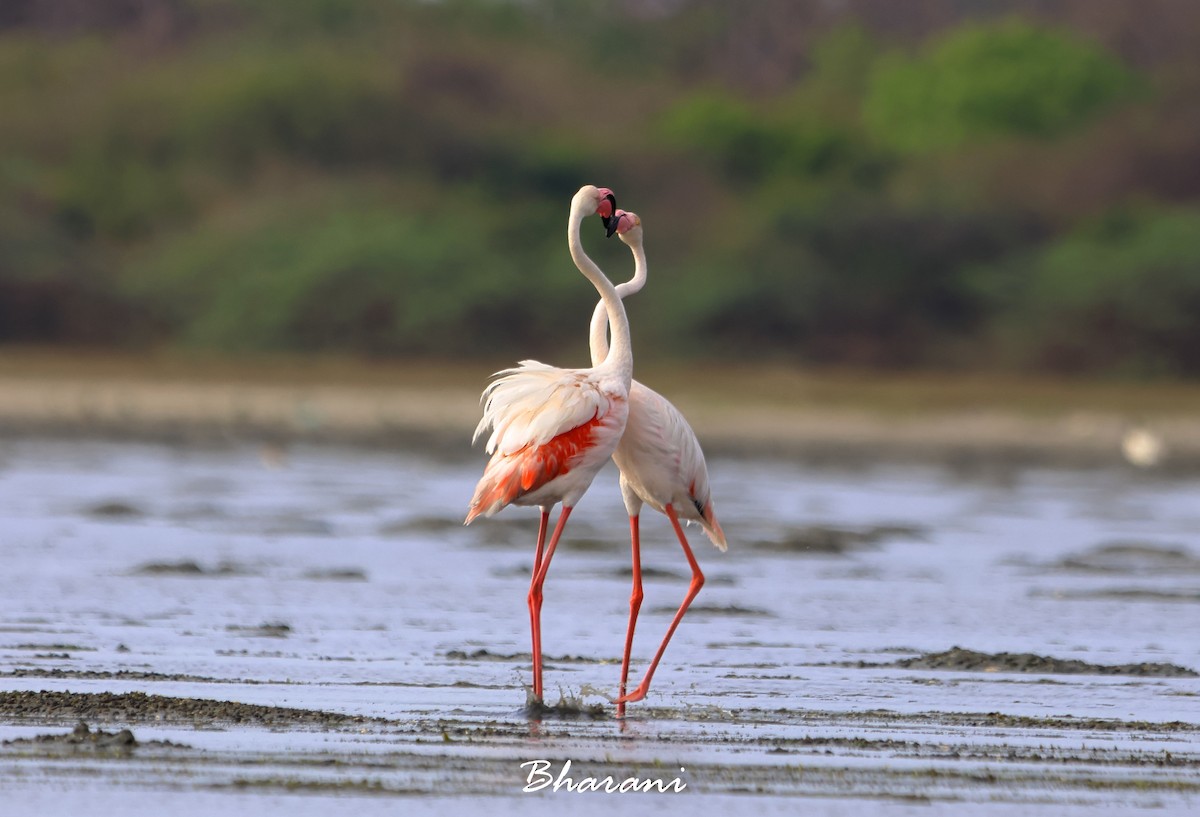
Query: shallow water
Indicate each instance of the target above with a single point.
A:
(341, 580)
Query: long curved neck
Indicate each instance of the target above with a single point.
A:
(621, 356)
(598, 338)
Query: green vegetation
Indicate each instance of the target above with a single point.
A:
(1122, 294)
(979, 82)
(349, 269)
(391, 178)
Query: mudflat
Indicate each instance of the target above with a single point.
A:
(215, 617)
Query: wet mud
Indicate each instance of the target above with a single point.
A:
(569, 706)
(1132, 558)
(109, 675)
(525, 658)
(46, 706)
(189, 567)
(957, 658)
(113, 510)
(932, 756)
(86, 740)
(828, 539)
(185, 623)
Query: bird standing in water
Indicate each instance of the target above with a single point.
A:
(553, 429)
(661, 465)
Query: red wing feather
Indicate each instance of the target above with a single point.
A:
(508, 477)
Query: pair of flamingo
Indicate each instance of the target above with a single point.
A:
(553, 429)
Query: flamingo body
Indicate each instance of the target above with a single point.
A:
(659, 455)
(552, 431)
(662, 464)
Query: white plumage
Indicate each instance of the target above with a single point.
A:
(553, 429)
(661, 465)
(532, 403)
(659, 455)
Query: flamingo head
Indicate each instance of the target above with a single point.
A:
(627, 226)
(598, 200)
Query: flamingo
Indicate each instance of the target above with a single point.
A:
(661, 465)
(553, 428)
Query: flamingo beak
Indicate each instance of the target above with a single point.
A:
(610, 221)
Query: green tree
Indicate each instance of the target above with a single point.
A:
(1118, 295)
(987, 81)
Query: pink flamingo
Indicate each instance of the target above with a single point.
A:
(553, 429)
(661, 466)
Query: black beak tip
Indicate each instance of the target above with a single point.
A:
(610, 222)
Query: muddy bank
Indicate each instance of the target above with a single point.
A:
(964, 422)
(137, 707)
(85, 740)
(807, 757)
(1132, 558)
(50, 707)
(483, 654)
(959, 659)
(835, 540)
(189, 567)
(113, 675)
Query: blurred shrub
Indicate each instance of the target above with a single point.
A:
(749, 145)
(1121, 294)
(391, 177)
(853, 279)
(355, 272)
(220, 114)
(989, 81)
(726, 131)
(115, 190)
(842, 62)
(31, 246)
(813, 132)
(52, 288)
(304, 17)
(321, 105)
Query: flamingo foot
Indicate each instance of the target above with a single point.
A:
(637, 695)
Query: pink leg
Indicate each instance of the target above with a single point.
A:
(535, 604)
(635, 604)
(541, 565)
(694, 588)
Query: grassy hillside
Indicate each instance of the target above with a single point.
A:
(1014, 187)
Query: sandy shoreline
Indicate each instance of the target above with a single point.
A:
(443, 411)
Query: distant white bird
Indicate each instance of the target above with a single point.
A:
(553, 429)
(661, 465)
(1142, 447)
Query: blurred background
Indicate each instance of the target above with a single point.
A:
(924, 278)
(981, 186)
